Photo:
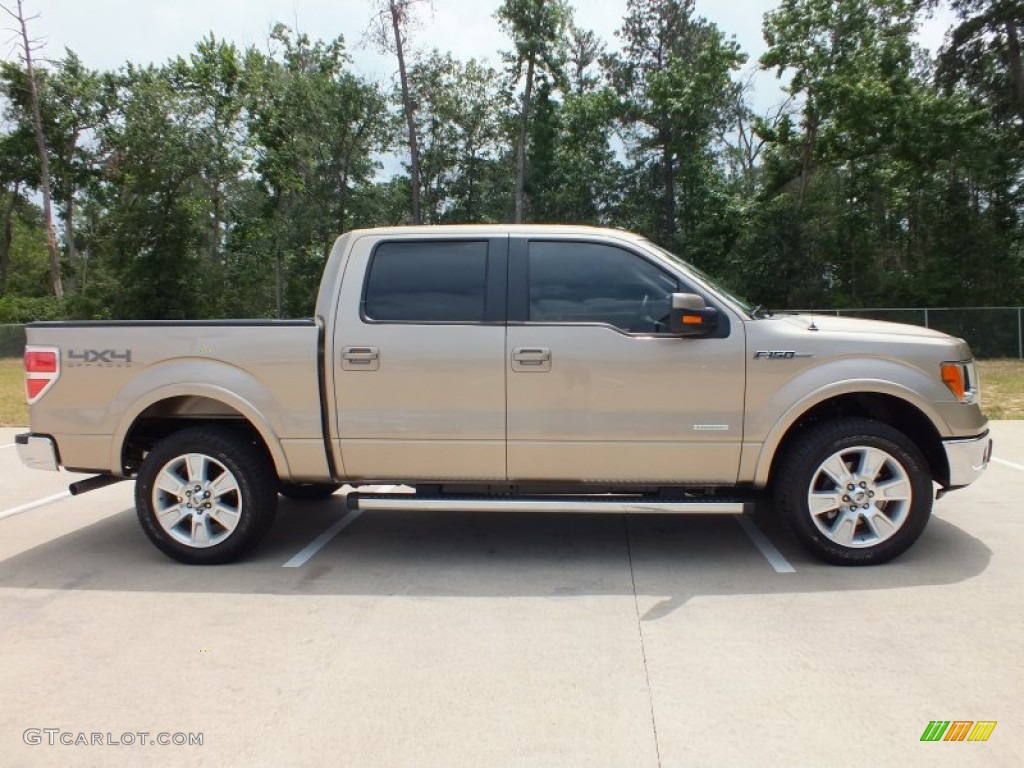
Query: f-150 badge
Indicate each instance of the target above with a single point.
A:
(779, 354)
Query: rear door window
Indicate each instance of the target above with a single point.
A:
(427, 282)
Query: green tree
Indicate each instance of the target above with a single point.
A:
(537, 29)
(316, 128)
(674, 81)
(392, 20)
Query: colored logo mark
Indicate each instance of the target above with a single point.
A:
(958, 730)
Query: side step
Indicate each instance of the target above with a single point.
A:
(697, 505)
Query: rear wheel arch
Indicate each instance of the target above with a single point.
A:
(158, 417)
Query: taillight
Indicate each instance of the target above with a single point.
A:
(42, 369)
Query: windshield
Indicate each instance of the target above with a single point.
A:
(739, 301)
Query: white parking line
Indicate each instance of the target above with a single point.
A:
(771, 554)
(1006, 463)
(34, 504)
(8, 445)
(321, 541)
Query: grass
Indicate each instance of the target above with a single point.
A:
(13, 410)
(1002, 390)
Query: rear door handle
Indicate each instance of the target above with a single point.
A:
(531, 359)
(360, 359)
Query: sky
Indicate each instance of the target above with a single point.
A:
(107, 33)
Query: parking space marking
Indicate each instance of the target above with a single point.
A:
(8, 445)
(321, 541)
(303, 556)
(1006, 463)
(35, 504)
(771, 554)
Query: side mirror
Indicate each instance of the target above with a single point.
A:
(691, 317)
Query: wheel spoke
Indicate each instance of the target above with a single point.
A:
(225, 483)
(200, 531)
(895, 490)
(871, 462)
(820, 502)
(169, 482)
(173, 515)
(880, 524)
(842, 531)
(836, 470)
(196, 467)
(225, 516)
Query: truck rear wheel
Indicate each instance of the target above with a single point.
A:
(855, 491)
(206, 495)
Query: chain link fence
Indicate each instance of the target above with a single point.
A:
(991, 331)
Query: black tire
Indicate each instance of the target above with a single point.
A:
(234, 507)
(308, 491)
(863, 528)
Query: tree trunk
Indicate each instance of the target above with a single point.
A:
(280, 212)
(807, 156)
(217, 216)
(1016, 67)
(44, 160)
(69, 239)
(414, 150)
(524, 120)
(8, 238)
(668, 181)
(278, 281)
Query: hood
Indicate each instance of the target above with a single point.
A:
(834, 324)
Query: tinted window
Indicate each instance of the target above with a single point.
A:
(592, 283)
(427, 282)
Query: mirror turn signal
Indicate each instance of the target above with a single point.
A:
(691, 316)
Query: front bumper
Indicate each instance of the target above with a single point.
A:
(967, 459)
(37, 451)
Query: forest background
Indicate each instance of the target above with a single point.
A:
(213, 184)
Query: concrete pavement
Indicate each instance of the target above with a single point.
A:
(507, 640)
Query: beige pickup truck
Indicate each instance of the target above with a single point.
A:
(512, 367)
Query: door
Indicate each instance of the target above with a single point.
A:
(597, 391)
(419, 360)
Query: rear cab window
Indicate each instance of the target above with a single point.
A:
(427, 282)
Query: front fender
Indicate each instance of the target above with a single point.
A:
(817, 384)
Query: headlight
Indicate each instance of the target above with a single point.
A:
(962, 379)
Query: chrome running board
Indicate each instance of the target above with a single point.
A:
(393, 502)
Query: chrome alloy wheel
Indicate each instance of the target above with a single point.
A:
(197, 500)
(859, 497)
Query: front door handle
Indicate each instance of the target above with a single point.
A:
(360, 359)
(531, 359)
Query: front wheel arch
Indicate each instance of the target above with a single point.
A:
(888, 409)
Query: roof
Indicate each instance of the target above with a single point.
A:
(500, 229)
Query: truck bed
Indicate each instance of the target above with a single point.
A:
(124, 376)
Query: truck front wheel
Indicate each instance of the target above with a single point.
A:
(206, 495)
(855, 491)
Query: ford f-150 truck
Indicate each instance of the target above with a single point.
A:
(512, 367)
